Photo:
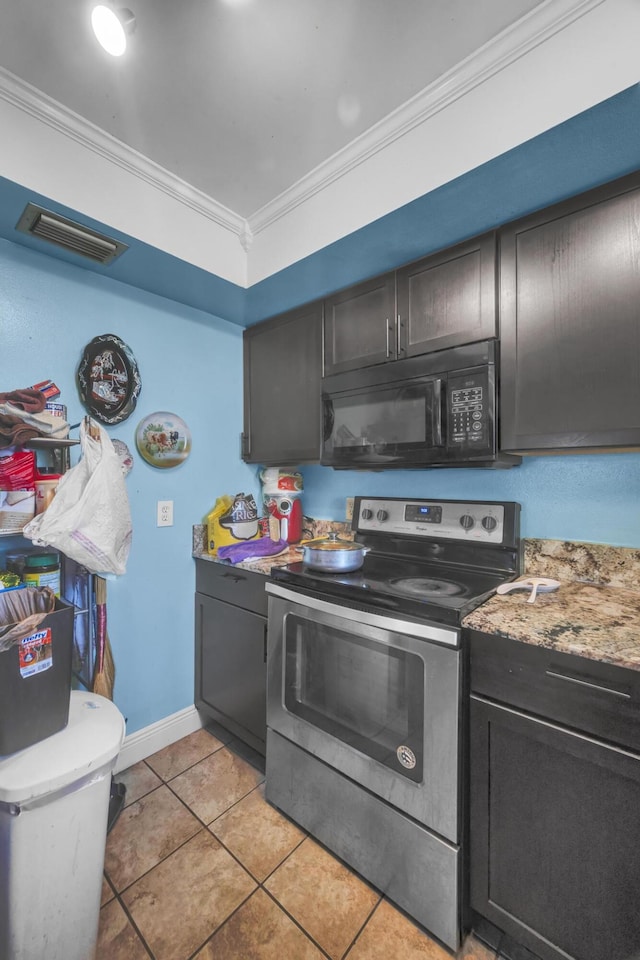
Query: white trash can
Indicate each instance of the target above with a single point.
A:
(54, 804)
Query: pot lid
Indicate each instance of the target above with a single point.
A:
(333, 542)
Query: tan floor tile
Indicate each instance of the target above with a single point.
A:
(107, 893)
(145, 833)
(117, 940)
(473, 949)
(257, 834)
(213, 785)
(326, 898)
(259, 931)
(182, 754)
(179, 904)
(139, 781)
(390, 934)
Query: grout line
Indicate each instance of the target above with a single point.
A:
(135, 927)
(296, 922)
(361, 930)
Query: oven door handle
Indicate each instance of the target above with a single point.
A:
(426, 631)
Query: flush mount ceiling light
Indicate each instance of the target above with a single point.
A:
(111, 26)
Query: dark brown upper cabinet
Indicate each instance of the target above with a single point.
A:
(448, 298)
(282, 368)
(443, 300)
(570, 324)
(360, 325)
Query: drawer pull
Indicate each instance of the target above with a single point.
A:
(588, 683)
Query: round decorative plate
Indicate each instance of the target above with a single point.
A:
(163, 439)
(109, 379)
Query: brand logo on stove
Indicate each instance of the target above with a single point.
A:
(406, 756)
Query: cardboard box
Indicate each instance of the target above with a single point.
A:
(35, 682)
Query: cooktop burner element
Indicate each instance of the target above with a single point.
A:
(429, 560)
(423, 587)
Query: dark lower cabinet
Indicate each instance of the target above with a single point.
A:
(555, 830)
(231, 651)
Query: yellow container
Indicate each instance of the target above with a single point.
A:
(232, 520)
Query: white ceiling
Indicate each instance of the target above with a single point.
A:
(242, 98)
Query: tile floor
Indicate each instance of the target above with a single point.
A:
(200, 866)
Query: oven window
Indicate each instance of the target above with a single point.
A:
(364, 693)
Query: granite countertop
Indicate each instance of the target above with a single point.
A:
(262, 565)
(312, 529)
(595, 613)
(586, 619)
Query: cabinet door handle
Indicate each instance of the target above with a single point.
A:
(388, 338)
(265, 641)
(398, 328)
(590, 684)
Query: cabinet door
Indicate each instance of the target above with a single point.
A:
(570, 316)
(282, 369)
(359, 326)
(555, 834)
(231, 669)
(448, 298)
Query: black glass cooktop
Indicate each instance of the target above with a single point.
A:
(438, 591)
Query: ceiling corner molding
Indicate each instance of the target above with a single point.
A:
(32, 101)
(507, 47)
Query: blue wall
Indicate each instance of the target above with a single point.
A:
(191, 364)
(590, 498)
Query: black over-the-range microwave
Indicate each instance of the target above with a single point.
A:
(439, 409)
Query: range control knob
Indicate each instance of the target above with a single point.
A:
(466, 521)
(489, 523)
(382, 515)
(366, 514)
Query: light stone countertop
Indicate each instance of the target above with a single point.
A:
(595, 613)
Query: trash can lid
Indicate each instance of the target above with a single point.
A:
(91, 739)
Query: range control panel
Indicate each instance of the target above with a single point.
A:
(437, 519)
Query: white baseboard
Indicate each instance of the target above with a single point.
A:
(143, 743)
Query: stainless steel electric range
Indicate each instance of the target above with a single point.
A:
(364, 694)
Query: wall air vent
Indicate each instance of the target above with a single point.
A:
(64, 233)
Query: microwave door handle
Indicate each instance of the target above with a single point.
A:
(437, 412)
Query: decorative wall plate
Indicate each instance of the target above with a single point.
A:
(109, 379)
(163, 439)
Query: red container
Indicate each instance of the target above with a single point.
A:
(288, 510)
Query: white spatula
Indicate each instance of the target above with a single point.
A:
(535, 584)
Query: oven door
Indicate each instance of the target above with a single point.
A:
(370, 699)
(384, 424)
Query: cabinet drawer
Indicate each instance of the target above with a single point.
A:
(596, 698)
(240, 587)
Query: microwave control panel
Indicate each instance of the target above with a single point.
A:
(469, 412)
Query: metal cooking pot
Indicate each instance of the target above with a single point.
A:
(333, 555)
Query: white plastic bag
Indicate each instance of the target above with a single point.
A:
(89, 518)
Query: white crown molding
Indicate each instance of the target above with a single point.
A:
(43, 108)
(510, 45)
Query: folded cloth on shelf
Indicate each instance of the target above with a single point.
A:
(28, 399)
(252, 550)
(17, 426)
(14, 431)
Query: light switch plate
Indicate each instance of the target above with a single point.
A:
(165, 513)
